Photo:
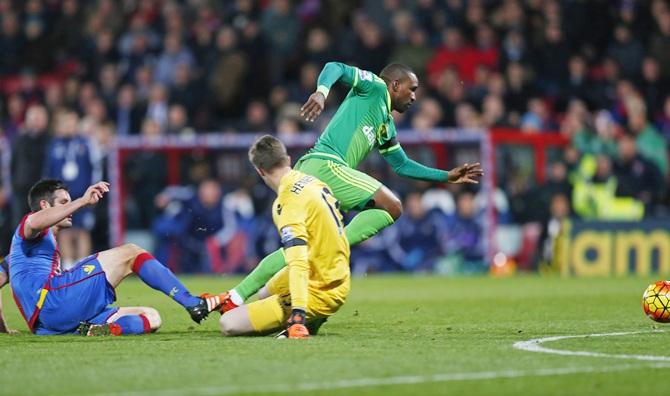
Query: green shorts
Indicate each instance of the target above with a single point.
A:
(352, 188)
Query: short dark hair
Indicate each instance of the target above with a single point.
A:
(395, 71)
(268, 153)
(44, 190)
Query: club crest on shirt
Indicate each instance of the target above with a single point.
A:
(286, 234)
(365, 75)
(382, 132)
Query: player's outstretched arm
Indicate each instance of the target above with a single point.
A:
(4, 279)
(51, 216)
(396, 157)
(332, 72)
(294, 237)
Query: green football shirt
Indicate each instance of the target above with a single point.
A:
(362, 123)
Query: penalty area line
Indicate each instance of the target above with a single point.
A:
(535, 345)
(384, 381)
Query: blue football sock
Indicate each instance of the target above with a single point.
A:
(133, 324)
(159, 277)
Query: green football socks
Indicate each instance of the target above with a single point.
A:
(366, 224)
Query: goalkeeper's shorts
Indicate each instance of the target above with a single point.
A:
(270, 314)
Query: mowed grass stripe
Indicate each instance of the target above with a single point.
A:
(390, 327)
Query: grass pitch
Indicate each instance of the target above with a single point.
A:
(395, 336)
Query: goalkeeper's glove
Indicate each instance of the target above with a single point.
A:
(296, 324)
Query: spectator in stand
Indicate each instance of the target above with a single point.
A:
(372, 48)
(636, 176)
(663, 121)
(462, 235)
(11, 44)
(514, 49)
(652, 88)
(109, 84)
(203, 227)
(143, 181)
(227, 72)
(157, 107)
(257, 118)
(537, 118)
(467, 116)
(415, 52)
(589, 137)
(100, 51)
(184, 90)
(428, 116)
(626, 51)
(70, 158)
(127, 114)
(519, 88)
(454, 51)
(309, 72)
(578, 85)
(650, 143)
(15, 116)
(178, 121)
(318, 47)
(557, 184)
(36, 52)
(27, 163)
(559, 210)
(659, 44)
(493, 112)
(174, 54)
(280, 28)
(413, 243)
(68, 29)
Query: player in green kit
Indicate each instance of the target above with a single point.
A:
(362, 123)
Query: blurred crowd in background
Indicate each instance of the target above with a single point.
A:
(75, 75)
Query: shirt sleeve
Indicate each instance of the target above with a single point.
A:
(404, 166)
(22, 231)
(291, 223)
(363, 82)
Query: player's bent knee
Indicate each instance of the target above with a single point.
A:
(395, 208)
(133, 249)
(155, 320)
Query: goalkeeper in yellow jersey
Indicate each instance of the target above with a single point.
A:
(315, 283)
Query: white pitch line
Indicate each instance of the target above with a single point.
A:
(534, 345)
(383, 381)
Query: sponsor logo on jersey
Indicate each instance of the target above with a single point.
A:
(365, 75)
(88, 268)
(279, 209)
(174, 291)
(286, 234)
(369, 134)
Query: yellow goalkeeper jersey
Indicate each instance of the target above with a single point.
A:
(312, 233)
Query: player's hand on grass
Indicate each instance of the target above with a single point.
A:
(466, 173)
(313, 107)
(95, 192)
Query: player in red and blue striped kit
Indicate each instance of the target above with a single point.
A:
(79, 300)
